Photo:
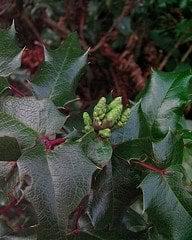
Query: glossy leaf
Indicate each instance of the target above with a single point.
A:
(57, 79)
(164, 100)
(135, 128)
(169, 150)
(96, 149)
(59, 180)
(13, 127)
(168, 204)
(114, 189)
(10, 53)
(135, 149)
(40, 115)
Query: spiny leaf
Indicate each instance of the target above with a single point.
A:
(169, 150)
(57, 79)
(13, 127)
(60, 180)
(10, 53)
(114, 189)
(168, 204)
(135, 128)
(162, 153)
(26, 119)
(135, 149)
(39, 115)
(97, 150)
(164, 100)
(159, 109)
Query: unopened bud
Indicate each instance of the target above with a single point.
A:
(116, 102)
(124, 117)
(88, 129)
(100, 109)
(105, 133)
(112, 117)
(87, 119)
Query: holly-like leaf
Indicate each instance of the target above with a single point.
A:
(10, 53)
(169, 150)
(159, 109)
(9, 149)
(57, 79)
(13, 127)
(135, 149)
(114, 189)
(59, 180)
(164, 100)
(168, 204)
(162, 153)
(96, 149)
(40, 115)
(135, 128)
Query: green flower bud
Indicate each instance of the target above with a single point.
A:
(88, 129)
(112, 117)
(116, 102)
(105, 133)
(87, 119)
(124, 117)
(100, 109)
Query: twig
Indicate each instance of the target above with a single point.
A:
(187, 53)
(169, 54)
(53, 25)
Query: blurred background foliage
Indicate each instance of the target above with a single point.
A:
(127, 38)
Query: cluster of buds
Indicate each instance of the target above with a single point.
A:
(106, 116)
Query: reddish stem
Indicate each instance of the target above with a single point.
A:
(51, 144)
(152, 168)
(16, 92)
(6, 210)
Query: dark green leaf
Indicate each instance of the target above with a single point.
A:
(96, 149)
(134, 221)
(135, 149)
(135, 128)
(27, 118)
(114, 189)
(57, 79)
(13, 127)
(10, 53)
(3, 85)
(169, 150)
(168, 204)
(9, 149)
(164, 100)
(59, 180)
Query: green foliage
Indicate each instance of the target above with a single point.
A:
(3, 85)
(10, 58)
(57, 78)
(89, 183)
(168, 204)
